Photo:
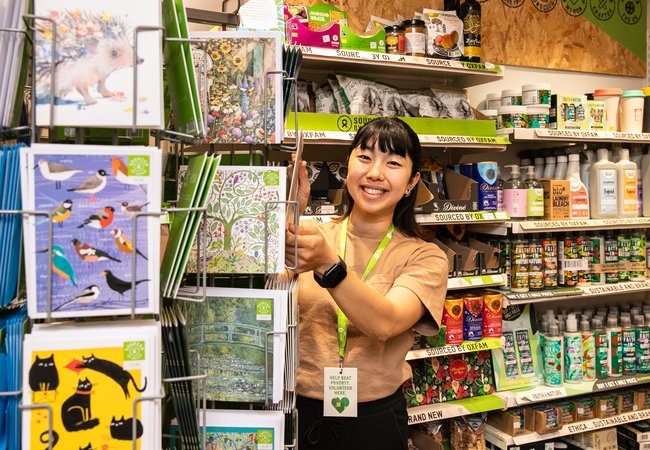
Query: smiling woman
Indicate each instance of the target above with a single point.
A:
(366, 280)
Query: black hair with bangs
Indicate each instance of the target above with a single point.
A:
(393, 136)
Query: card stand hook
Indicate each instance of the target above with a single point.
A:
(7, 134)
(33, 29)
(294, 444)
(179, 155)
(50, 419)
(139, 29)
(134, 410)
(50, 256)
(268, 399)
(201, 400)
(296, 221)
(286, 77)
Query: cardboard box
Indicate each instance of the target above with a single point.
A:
(373, 41)
(543, 419)
(511, 422)
(568, 408)
(468, 257)
(462, 193)
(608, 406)
(595, 115)
(556, 199)
(327, 36)
(423, 441)
(604, 439)
(630, 400)
(567, 112)
(585, 408)
(490, 263)
(637, 431)
(625, 443)
(454, 259)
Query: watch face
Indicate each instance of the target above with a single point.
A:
(333, 276)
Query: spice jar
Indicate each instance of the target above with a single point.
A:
(395, 39)
(414, 37)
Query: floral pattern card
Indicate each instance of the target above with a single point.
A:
(99, 57)
(240, 240)
(229, 330)
(239, 429)
(90, 375)
(235, 64)
(92, 193)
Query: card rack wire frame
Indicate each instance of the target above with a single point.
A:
(20, 131)
(292, 332)
(201, 397)
(50, 256)
(294, 79)
(193, 296)
(50, 419)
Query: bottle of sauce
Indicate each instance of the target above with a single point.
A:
(470, 14)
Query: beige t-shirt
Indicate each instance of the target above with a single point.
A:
(409, 262)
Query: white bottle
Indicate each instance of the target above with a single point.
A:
(585, 165)
(549, 167)
(560, 168)
(515, 195)
(578, 196)
(627, 198)
(604, 187)
(645, 179)
(636, 156)
(539, 168)
(523, 164)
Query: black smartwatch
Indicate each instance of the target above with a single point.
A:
(333, 276)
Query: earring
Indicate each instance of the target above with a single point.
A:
(407, 193)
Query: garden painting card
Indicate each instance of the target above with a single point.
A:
(229, 330)
(245, 223)
(92, 193)
(98, 56)
(235, 64)
(90, 376)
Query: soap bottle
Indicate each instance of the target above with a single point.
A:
(523, 167)
(549, 167)
(615, 353)
(539, 168)
(586, 160)
(601, 343)
(627, 177)
(534, 196)
(553, 357)
(588, 350)
(642, 344)
(561, 167)
(604, 187)
(515, 195)
(628, 337)
(645, 181)
(573, 372)
(636, 156)
(578, 197)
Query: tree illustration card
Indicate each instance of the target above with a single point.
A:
(246, 224)
(93, 194)
(230, 332)
(90, 375)
(235, 64)
(107, 65)
(237, 429)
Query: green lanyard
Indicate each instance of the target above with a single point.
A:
(342, 320)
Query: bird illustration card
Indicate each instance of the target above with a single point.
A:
(90, 375)
(246, 224)
(241, 429)
(102, 64)
(230, 332)
(237, 65)
(93, 194)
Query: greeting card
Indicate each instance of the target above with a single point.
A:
(92, 194)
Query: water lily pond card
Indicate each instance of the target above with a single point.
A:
(87, 67)
(92, 194)
(232, 67)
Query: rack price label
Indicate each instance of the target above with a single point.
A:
(619, 287)
(608, 422)
(541, 395)
(442, 411)
(612, 384)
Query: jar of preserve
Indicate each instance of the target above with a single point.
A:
(395, 39)
(414, 37)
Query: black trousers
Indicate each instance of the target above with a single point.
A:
(380, 425)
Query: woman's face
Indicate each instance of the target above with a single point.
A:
(377, 181)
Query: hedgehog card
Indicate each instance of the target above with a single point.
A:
(101, 66)
(102, 205)
(89, 376)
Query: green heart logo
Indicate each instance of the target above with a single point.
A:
(340, 403)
